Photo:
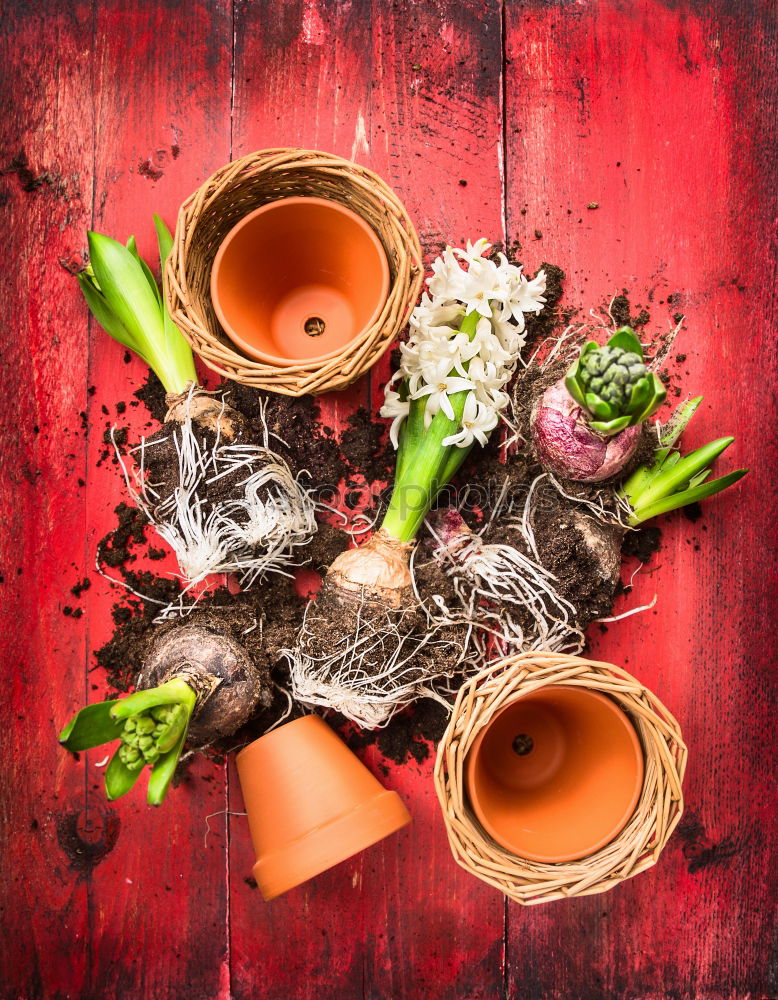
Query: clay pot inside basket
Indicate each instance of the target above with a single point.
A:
(556, 774)
(299, 279)
(311, 803)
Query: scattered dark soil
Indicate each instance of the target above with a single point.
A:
(366, 448)
(430, 577)
(643, 543)
(363, 449)
(115, 548)
(620, 309)
(152, 395)
(80, 587)
(268, 617)
(291, 424)
(410, 733)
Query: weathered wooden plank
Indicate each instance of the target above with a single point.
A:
(162, 90)
(660, 114)
(414, 94)
(436, 136)
(297, 83)
(45, 202)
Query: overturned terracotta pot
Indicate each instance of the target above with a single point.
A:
(298, 280)
(311, 803)
(556, 774)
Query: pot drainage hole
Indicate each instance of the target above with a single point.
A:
(314, 326)
(522, 744)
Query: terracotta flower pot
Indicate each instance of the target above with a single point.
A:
(311, 803)
(556, 774)
(298, 279)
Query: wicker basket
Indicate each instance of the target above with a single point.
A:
(238, 188)
(639, 844)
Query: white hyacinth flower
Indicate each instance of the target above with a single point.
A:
(439, 360)
(439, 391)
(478, 421)
(395, 408)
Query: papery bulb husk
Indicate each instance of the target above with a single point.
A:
(367, 647)
(229, 684)
(604, 544)
(566, 445)
(206, 411)
(376, 571)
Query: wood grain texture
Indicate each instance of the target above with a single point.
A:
(663, 115)
(378, 84)
(641, 109)
(50, 839)
(159, 131)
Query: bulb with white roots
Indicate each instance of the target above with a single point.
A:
(380, 663)
(225, 506)
(367, 646)
(510, 598)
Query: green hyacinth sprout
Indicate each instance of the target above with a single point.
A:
(123, 296)
(613, 384)
(151, 727)
(672, 481)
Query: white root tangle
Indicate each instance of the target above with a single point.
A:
(254, 530)
(339, 678)
(509, 597)
(366, 647)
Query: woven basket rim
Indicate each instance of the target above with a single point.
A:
(333, 177)
(645, 835)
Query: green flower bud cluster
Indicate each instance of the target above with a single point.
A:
(613, 383)
(149, 734)
(612, 374)
(150, 725)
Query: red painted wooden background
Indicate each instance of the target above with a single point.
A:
(489, 118)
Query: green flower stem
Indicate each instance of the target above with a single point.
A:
(424, 461)
(172, 692)
(455, 461)
(411, 435)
